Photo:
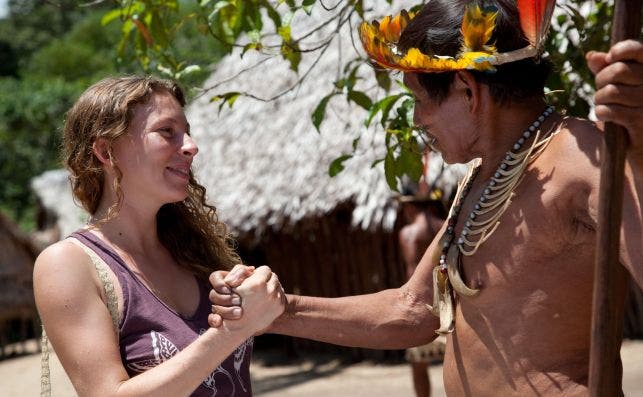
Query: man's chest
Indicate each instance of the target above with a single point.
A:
(535, 237)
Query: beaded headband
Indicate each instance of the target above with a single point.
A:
(380, 40)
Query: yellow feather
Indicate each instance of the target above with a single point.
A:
(477, 28)
(379, 39)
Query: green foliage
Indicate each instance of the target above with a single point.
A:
(29, 137)
(572, 83)
(57, 48)
(54, 50)
(84, 54)
(9, 64)
(33, 23)
(149, 29)
(170, 38)
(149, 25)
(570, 87)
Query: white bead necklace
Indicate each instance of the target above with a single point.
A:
(494, 201)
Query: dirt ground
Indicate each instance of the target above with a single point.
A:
(315, 378)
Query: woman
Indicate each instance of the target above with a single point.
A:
(129, 150)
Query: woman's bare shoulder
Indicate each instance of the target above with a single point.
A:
(59, 254)
(61, 270)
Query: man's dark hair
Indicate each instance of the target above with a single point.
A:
(436, 30)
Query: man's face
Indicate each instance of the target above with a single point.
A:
(449, 125)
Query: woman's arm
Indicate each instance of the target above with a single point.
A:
(68, 297)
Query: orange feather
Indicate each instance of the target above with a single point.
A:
(535, 17)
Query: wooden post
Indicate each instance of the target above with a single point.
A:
(610, 279)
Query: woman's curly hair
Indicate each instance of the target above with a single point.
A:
(189, 229)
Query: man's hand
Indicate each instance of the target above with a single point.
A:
(226, 304)
(619, 90)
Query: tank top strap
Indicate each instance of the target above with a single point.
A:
(104, 251)
(113, 261)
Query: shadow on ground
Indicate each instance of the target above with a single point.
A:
(280, 373)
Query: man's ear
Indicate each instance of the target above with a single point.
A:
(470, 88)
(101, 149)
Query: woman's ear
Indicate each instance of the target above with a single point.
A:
(467, 84)
(101, 149)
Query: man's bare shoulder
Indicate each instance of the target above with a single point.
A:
(576, 149)
(573, 160)
(580, 138)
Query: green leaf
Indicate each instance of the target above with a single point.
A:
(284, 32)
(390, 171)
(320, 111)
(361, 99)
(158, 30)
(272, 13)
(384, 105)
(228, 97)
(376, 162)
(383, 79)
(251, 46)
(359, 7)
(290, 51)
(220, 5)
(307, 6)
(410, 163)
(407, 112)
(337, 165)
(110, 16)
(356, 142)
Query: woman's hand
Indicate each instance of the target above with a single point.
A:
(252, 297)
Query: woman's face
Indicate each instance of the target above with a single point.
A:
(156, 154)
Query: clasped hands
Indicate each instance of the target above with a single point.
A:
(246, 297)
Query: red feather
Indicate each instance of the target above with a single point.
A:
(535, 17)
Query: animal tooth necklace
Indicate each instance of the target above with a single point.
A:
(494, 201)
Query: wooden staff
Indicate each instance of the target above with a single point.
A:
(610, 278)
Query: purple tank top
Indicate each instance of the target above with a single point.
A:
(150, 332)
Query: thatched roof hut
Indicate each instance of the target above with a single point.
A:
(17, 306)
(54, 194)
(17, 255)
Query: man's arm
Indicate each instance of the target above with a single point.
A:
(390, 319)
(619, 99)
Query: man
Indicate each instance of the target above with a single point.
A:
(512, 285)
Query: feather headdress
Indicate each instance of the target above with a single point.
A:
(380, 40)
